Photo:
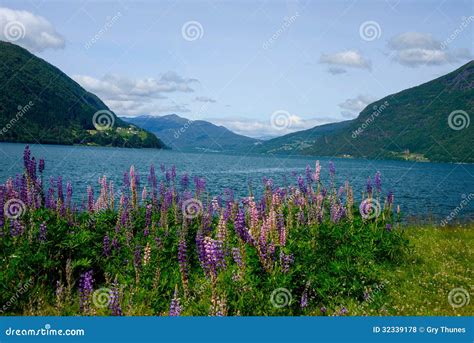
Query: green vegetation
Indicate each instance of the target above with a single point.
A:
(415, 123)
(41, 104)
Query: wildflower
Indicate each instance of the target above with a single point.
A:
(369, 186)
(106, 245)
(304, 299)
(175, 307)
(378, 182)
(41, 166)
(147, 254)
(286, 260)
(42, 232)
(317, 172)
(237, 256)
(388, 227)
(323, 310)
(85, 291)
(214, 256)
(114, 303)
(332, 169)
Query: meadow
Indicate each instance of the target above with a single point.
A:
(159, 245)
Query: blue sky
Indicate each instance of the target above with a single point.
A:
(310, 60)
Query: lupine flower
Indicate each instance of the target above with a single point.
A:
(286, 260)
(214, 256)
(90, 199)
(323, 310)
(85, 290)
(114, 304)
(137, 260)
(388, 227)
(343, 310)
(369, 186)
(147, 254)
(304, 299)
(147, 220)
(390, 198)
(42, 232)
(175, 307)
(184, 181)
(237, 256)
(106, 245)
(378, 182)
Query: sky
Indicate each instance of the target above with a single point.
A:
(260, 68)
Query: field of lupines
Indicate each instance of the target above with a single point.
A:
(163, 246)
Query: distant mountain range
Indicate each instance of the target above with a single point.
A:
(41, 104)
(427, 122)
(186, 135)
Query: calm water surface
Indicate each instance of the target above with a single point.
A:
(423, 190)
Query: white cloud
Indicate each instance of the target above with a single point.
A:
(348, 58)
(259, 129)
(415, 49)
(127, 96)
(28, 30)
(356, 104)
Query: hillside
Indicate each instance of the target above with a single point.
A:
(413, 124)
(301, 140)
(41, 104)
(183, 134)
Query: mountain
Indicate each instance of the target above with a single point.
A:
(41, 104)
(188, 135)
(429, 122)
(300, 140)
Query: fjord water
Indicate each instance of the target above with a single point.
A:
(425, 191)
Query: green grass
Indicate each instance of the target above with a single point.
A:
(441, 260)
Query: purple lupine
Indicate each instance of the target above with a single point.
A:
(369, 186)
(90, 199)
(59, 185)
(68, 195)
(114, 303)
(175, 307)
(26, 157)
(343, 311)
(390, 198)
(86, 283)
(214, 256)
(304, 299)
(378, 182)
(237, 256)
(240, 228)
(184, 181)
(323, 310)
(286, 261)
(106, 246)
(388, 227)
(137, 257)
(301, 185)
(42, 232)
